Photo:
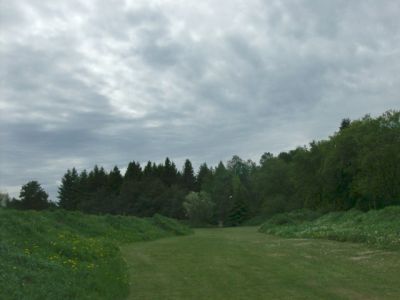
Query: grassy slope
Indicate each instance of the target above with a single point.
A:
(379, 228)
(64, 255)
(240, 263)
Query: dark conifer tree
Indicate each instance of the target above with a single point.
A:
(204, 178)
(69, 190)
(188, 178)
(222, 193)
(97, 179)
(170, 173)
(133, 172)
(240, 208)
(148, 170)
(83, 189)
(114, 181)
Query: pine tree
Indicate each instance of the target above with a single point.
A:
(68, 192)
(240, 209)
(83, 190)
(170, 173)
(148, 170)
(204, 178)
(114, 181)
(133, 172)
(97, 179)
(188, 179)
(222, 192)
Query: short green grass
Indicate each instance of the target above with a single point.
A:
(70, 255)
(378, 228)
(241, 263)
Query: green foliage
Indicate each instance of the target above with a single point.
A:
(380, 228)
(114, 181)
(273, 186)
(170, 225)
(68, 192)
(169, 173)
(69, 255)
(32, 196)
(204, 178)
(133, 172)
(240, 210)
(188, 178)
(198, 208)
(294, 217)
(221, 193)
(357, 167)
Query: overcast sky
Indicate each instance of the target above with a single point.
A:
(106, 82)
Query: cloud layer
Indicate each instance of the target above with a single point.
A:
(106, 82)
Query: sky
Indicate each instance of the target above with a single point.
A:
(107, 82)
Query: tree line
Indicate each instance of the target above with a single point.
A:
(357, 167)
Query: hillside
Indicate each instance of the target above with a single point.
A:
(380, 228)
(70, 255)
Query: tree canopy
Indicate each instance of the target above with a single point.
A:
(357, 167)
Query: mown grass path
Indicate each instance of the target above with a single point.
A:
(240, 263)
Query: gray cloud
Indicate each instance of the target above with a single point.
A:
(106, 82)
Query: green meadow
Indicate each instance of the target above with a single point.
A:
(296, 255)
(242, 263)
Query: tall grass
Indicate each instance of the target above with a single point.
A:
(379, 228)
(70, 255)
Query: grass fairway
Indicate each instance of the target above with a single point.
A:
(240, 263)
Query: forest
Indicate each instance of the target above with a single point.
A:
(358, 166)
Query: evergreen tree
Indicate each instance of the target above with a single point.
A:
(133, 172)
(170, 173)
(240, 209)
(148, 170)
(114, 181)
(68, 191)
(188, 179)
(204, 178)
(222, 193)
(97, 179)
(83, 190)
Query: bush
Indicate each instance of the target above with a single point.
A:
(294, 217)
